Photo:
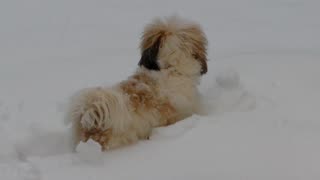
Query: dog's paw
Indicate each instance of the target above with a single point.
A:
(100, 136)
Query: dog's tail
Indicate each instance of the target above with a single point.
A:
(99, 108)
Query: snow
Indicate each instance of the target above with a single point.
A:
(262, 90)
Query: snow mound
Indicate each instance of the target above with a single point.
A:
(227, 93)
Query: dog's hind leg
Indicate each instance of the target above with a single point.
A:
(119, 140)
(98, 109)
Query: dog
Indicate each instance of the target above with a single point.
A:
(161, 92)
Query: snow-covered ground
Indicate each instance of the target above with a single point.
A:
(262, 90)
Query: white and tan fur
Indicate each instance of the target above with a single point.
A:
(162, 91)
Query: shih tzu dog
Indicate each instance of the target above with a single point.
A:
(161, 92)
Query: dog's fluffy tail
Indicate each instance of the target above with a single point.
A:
(99, 108)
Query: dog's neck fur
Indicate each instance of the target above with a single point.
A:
(179, 90)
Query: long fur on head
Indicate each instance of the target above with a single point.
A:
(173, 43)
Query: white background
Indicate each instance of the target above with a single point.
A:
(262, 89)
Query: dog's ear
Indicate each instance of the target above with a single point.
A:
(203, 62)
(204, 68)
(149, 56)
(196, 37)
(194, 40)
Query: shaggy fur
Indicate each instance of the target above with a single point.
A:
(161, 92)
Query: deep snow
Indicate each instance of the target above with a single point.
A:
(262, 90)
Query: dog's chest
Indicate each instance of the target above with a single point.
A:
(182, 93)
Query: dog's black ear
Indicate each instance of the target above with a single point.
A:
(149, 57)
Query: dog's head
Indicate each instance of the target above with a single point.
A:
(174, 43)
